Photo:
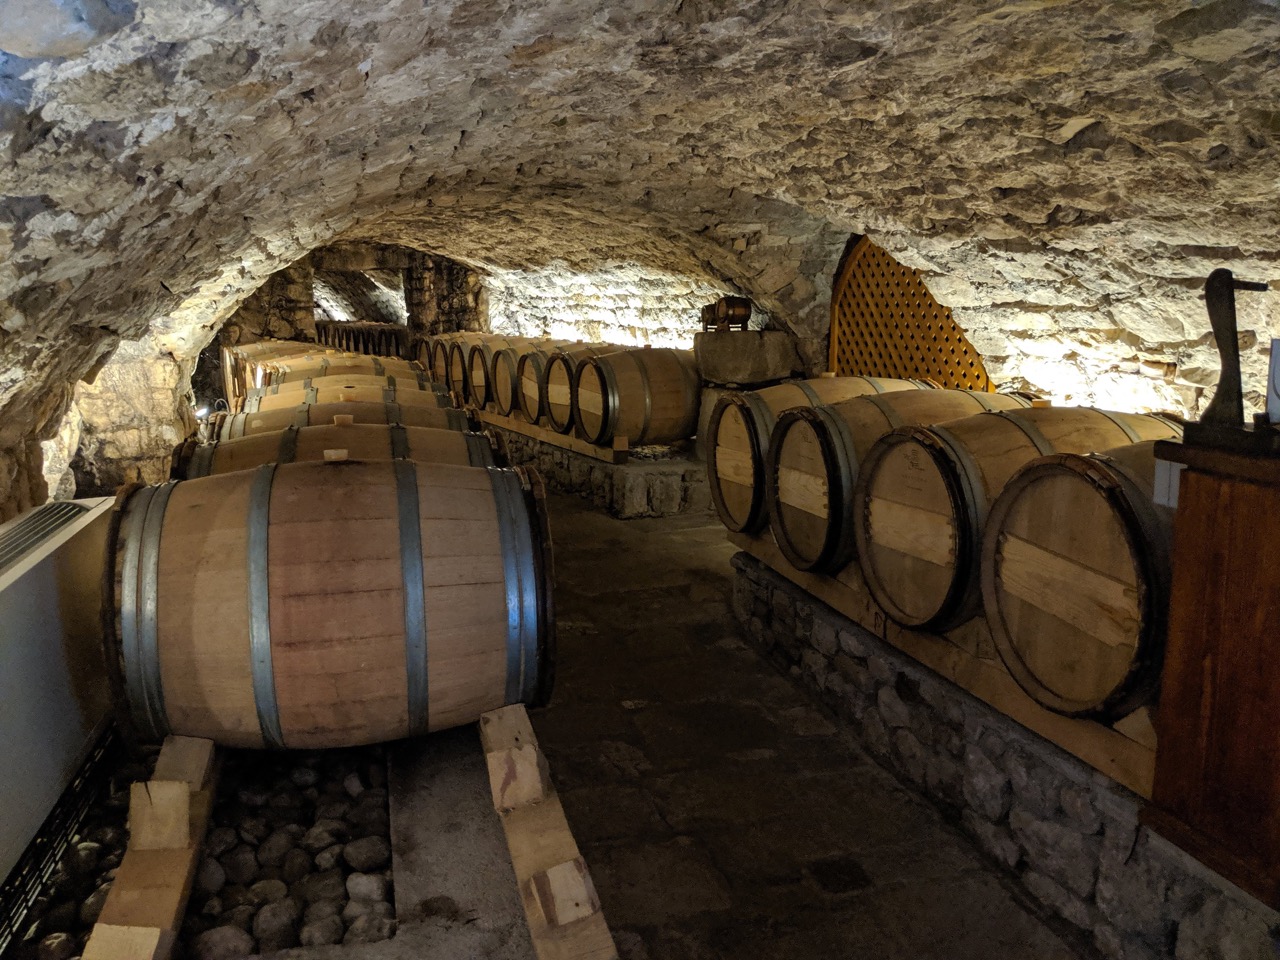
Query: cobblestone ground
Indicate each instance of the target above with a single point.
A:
(722, 813)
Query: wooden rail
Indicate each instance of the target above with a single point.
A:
(618, 453)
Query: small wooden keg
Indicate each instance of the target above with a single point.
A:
(924, 493)
(312, 605)
(354, 387)
(1075, 580)
(230, 426)
(738, 438)
(646, 395)
(343, 439)
(559, 377)
(815, 454)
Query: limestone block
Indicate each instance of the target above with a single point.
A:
(745, 357)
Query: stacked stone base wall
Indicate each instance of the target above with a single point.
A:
(1068, 833)
(645, 486)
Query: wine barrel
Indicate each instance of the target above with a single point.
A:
(230, 426)
(480, 366)
(559, 377)
(340, 365)
(244, 361)
(815, 455)
(456, 374)
(737, 438)
(505, 373)
(353, 387)
(530, 367)
(646, 395)
(1075, 580)
(341, 440)
(312, 605)
(924, 493)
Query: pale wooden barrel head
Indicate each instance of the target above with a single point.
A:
(799, 489)
(592, 401)
(735, 470)
(478, 376)
(910, 528)
(503, 383)
(557, 393)
(1074, 580)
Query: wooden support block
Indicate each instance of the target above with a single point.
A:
(160, 815)
(518, 776)
(151, 888)
(505, 728)
(565, 893)
(189, 759)
(112, 942)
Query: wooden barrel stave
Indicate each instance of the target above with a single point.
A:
(924, 494)
(645, 395)
(233, 626)
(336, 441)
(337, 366)
(559, 375)
(346, 389)
(1075, 580)
(233, 426)
(739, 431)
(815, 455)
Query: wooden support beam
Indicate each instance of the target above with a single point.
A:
(560, 901)
(167, 822)
(617, 453)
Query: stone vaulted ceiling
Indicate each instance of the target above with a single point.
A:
(1064, 173)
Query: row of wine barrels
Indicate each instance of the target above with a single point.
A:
(816, 454)
(374, 339)
(343, 439)
(504, 372)
(558, 378)
(229, 426)
(313, 605)
(1075, 577)
(738, 434)
(312, 366)
(645, 396)
(480, 358)
(924, 493)
(240, 363)
(348, 388)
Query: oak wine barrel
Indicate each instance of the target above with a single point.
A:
(314, 367)
(353, 387)
(924, 493)
(311, 605)
(342, 439)
(816, 453)
(646, 395)
(559, 378)
(737, 438)
(480, 366)
(229, 426)
(457, 368)
(1075, 580)
(505, 372)
(530, 366)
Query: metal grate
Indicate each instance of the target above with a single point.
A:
(29, 878)
(885, 323)
(36, 527)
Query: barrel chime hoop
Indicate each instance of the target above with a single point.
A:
(520, 577)
(312, 395)
(394, 414)
(201, 462)
(807, 389)
(399, 438)
(302, 416)
(261, 667)
(648, 396)
(1127, 430)
(415, 611)
(1038, 439)
(609, 397)
(287, 451)
(884, 407)
(139, 635)
(251, 404)
(479, 449)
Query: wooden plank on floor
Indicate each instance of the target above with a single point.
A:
(168, 819)
(559, 898)
(617, 453)
(1125, 753)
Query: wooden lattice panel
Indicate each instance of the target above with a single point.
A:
(885, 323)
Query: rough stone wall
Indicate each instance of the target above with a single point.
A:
(657, 485)
(284, 307)
(453, 297)
(1069, 834)
(134, 413)
(363, 297)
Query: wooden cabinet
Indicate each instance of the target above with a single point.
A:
(1217, 784)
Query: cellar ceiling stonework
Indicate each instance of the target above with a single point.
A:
(1064, 174)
